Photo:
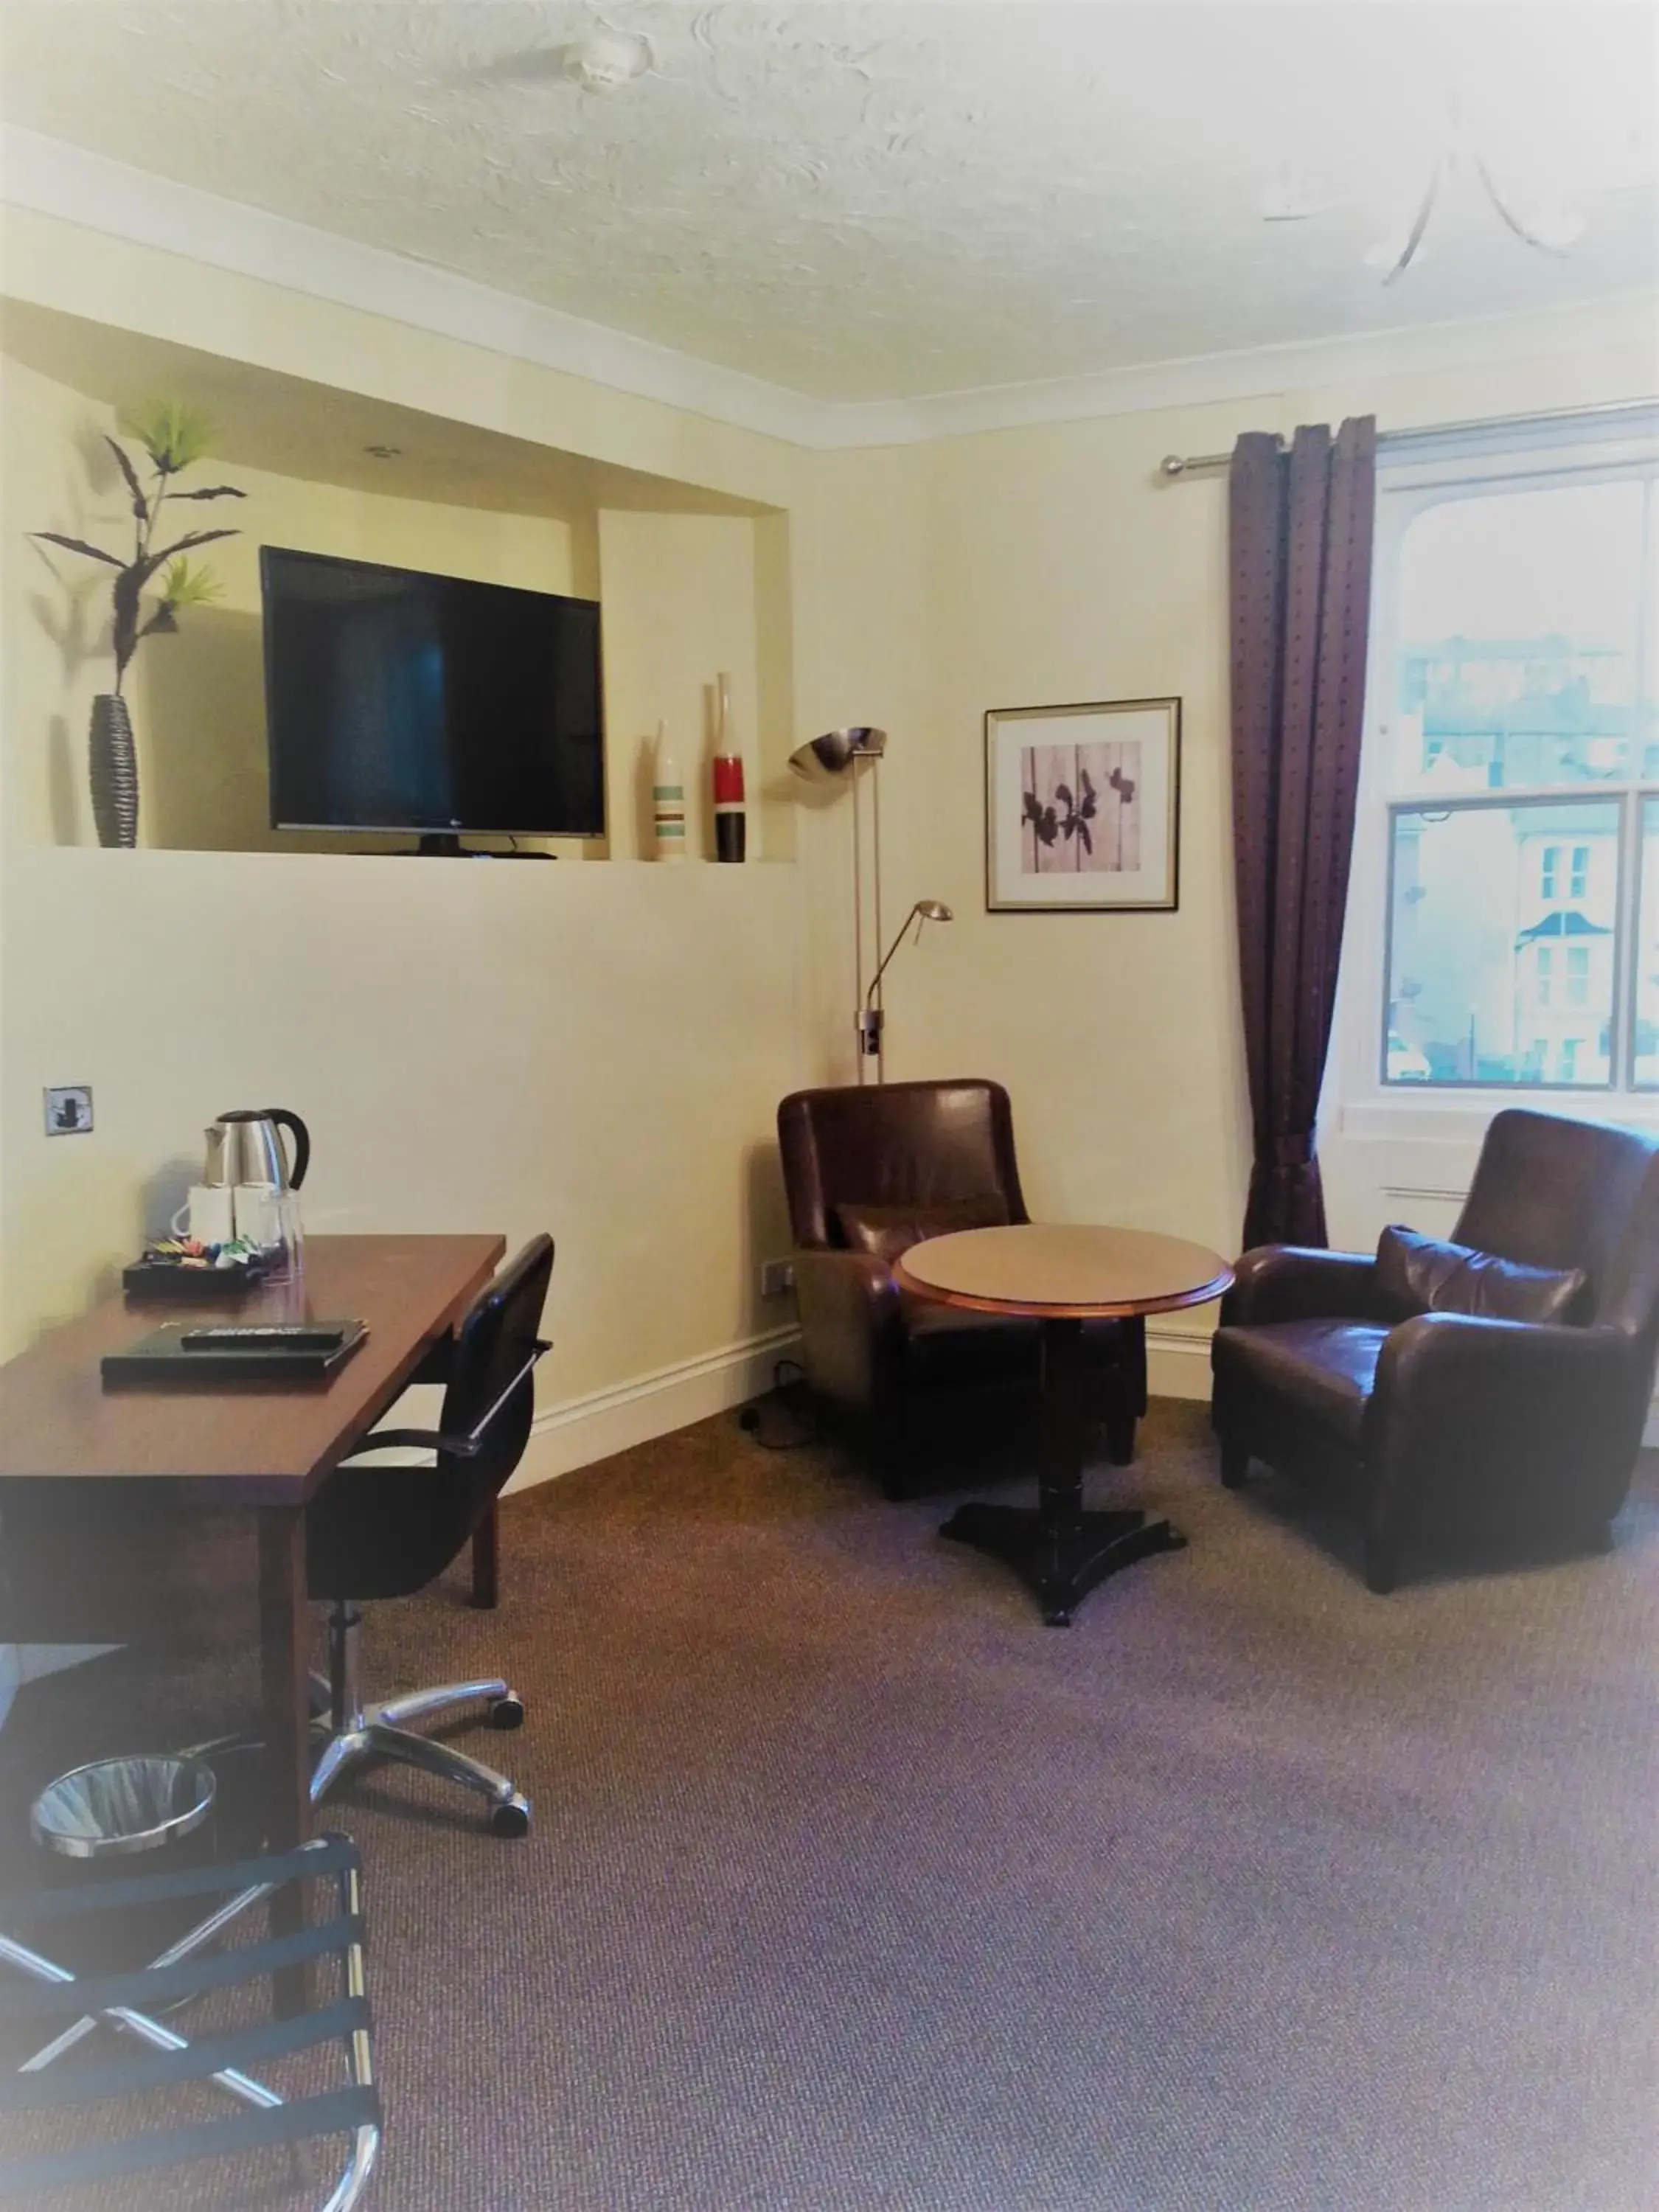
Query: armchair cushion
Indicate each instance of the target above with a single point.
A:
(888, 1231)
(1421, 1274)
(1323, 1369)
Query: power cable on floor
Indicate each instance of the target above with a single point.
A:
(789, 1396)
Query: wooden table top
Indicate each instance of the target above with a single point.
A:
(1064, 1273)
(246, 1443)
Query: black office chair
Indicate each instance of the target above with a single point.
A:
(49, 2147)
(375, 1531)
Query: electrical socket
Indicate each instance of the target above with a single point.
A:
(776, 1276)
(69, 1109)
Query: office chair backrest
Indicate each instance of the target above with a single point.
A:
(895, 1144)
(378, 1531)
(492, 1376)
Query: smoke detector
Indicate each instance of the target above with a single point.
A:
(606, 60)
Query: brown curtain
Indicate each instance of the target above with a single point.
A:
(1301, 528)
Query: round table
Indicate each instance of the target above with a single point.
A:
(1062, 1277)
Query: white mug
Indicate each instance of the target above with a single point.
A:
(207, 1214)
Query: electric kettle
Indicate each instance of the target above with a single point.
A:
(245, 1147)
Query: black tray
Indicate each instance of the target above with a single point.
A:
(165, 1278)
(163, 1357)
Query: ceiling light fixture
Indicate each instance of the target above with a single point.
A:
(383, 452)
(605, 60)
(1292, 195)
(1550, 230)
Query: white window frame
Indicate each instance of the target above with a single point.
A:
(1357, 1102)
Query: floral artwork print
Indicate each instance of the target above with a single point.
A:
(1080, 809)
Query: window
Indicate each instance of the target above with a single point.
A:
(1511, 776)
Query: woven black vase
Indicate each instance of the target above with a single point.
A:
(114, 771)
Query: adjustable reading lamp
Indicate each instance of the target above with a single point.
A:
(836, 759)
(871, 1019)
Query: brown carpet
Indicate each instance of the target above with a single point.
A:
(853, 1888)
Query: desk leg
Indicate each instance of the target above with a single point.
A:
(286, 1712)
(486, 1569)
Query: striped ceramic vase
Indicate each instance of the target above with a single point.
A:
(667, 800)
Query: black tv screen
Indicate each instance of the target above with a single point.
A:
(399, 701)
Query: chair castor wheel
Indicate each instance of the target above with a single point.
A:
(507, 1712)
(511, 1817)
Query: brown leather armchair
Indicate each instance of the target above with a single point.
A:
(1463, 1418)
(883, 1166)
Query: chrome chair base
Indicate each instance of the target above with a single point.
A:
(350, 1730)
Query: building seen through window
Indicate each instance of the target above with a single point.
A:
(1522, 726)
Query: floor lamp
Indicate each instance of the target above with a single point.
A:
(839, 758)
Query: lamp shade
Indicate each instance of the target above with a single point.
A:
(830, 756)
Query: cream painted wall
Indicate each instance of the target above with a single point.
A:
(598, 1050)
(680, 609)
(1049, 565)
(54, 607)
(925, 585)
(865, 637)
(82, 272)
(197, 697)
(593, 1050)
(1051, 570)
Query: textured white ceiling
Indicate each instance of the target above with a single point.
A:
(881, 202)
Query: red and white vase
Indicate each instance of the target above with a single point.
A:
(731, 815)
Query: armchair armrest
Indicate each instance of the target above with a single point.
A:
(1294, 1282)
(1545, 1414)
(852, 1333)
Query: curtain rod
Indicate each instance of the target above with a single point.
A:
(1177, 464)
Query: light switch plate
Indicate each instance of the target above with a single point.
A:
(69, 1109)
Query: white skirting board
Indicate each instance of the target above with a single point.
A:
(1177, 1361)
(612, 1420)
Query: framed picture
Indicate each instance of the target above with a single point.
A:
(1083, 807)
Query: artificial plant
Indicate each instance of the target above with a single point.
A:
(174, 436)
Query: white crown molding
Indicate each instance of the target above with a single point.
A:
(1615, 319)
(52, 178)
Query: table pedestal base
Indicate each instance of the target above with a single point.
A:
(1061, 1565)
(1057, 1549)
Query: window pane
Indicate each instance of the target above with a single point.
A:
(1645, 1073)
(1478, 989)
(1519, 640)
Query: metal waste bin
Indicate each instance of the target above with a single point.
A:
(148, 1814)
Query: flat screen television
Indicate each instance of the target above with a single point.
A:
(403, 701)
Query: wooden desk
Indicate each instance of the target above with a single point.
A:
(111, 1500)
(1063, 1276)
